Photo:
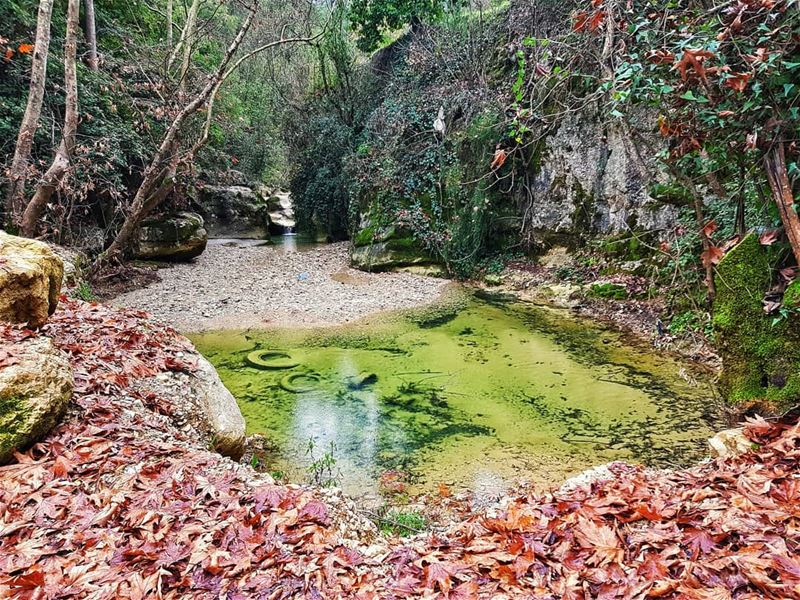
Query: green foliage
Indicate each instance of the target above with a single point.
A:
(371, 19)
(608, 291)
(322, 470)
(402, 523)
(83, 291)
(761, 356)
(689, 322)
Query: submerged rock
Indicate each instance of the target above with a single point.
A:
(30, 280)
(35, 388)
(178, 237)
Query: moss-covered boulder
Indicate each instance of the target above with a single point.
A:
(30, 280)
(178, 237)
(35, 388)
(760, 354)
(377, 248)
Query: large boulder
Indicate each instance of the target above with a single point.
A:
(178, 237)
(235, 211)
(30, 280)
(35, 388)
(222, 413)
(206, 405)
(377, 248)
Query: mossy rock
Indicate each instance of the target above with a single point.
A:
(34, 392)
(608, 291)
(388, 255)
(761, 357)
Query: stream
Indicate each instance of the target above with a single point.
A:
(475, 394)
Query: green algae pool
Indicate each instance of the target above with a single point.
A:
(474, 395)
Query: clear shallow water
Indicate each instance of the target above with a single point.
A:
(474, 397)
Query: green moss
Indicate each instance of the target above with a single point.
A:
(14, 416)
(625, 247)
(670, 193)
(403, 523)
(761, 358)
(791, 297)
(613, 291)
(374, 234)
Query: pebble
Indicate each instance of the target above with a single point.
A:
(230, 287)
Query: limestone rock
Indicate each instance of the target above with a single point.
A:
(35, 388)
(378, 248)
(385, 256)
(590, 182)
(235, 211)
(281, 213)
(178, 237)
(729, 443)
(221, 410)
(30, 280)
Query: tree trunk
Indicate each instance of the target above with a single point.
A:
(91, 34)
(775, 166)
(52, 178)
(143, 201)
(188, 43)
(187, 33)
(169, 26)
(18, 171)
(146, 200)
(705, 240)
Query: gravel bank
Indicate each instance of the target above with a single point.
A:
(231, 287)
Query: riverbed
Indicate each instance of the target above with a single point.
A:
(238, 284)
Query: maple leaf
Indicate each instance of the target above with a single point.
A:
(580, 20)
(601, 539)
(693, 59)
(440, 574)
(314, 510)
(698, 541)
(499, 159)
(661, 57)
(712, 255)
(25, 48)
(61, 466)
(596, 20)
(769, 237)
(709, 228)
(738, 82)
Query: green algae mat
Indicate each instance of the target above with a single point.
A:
(474, 395)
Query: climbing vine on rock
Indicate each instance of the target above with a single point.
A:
(726, 82)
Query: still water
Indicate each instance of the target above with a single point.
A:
(475, 395)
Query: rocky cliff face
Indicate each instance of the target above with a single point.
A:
(591, 181)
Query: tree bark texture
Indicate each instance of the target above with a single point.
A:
(18, 171)
(52, 178)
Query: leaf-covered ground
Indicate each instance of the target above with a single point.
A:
(119, 503)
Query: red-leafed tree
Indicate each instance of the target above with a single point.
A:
(726, 83)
